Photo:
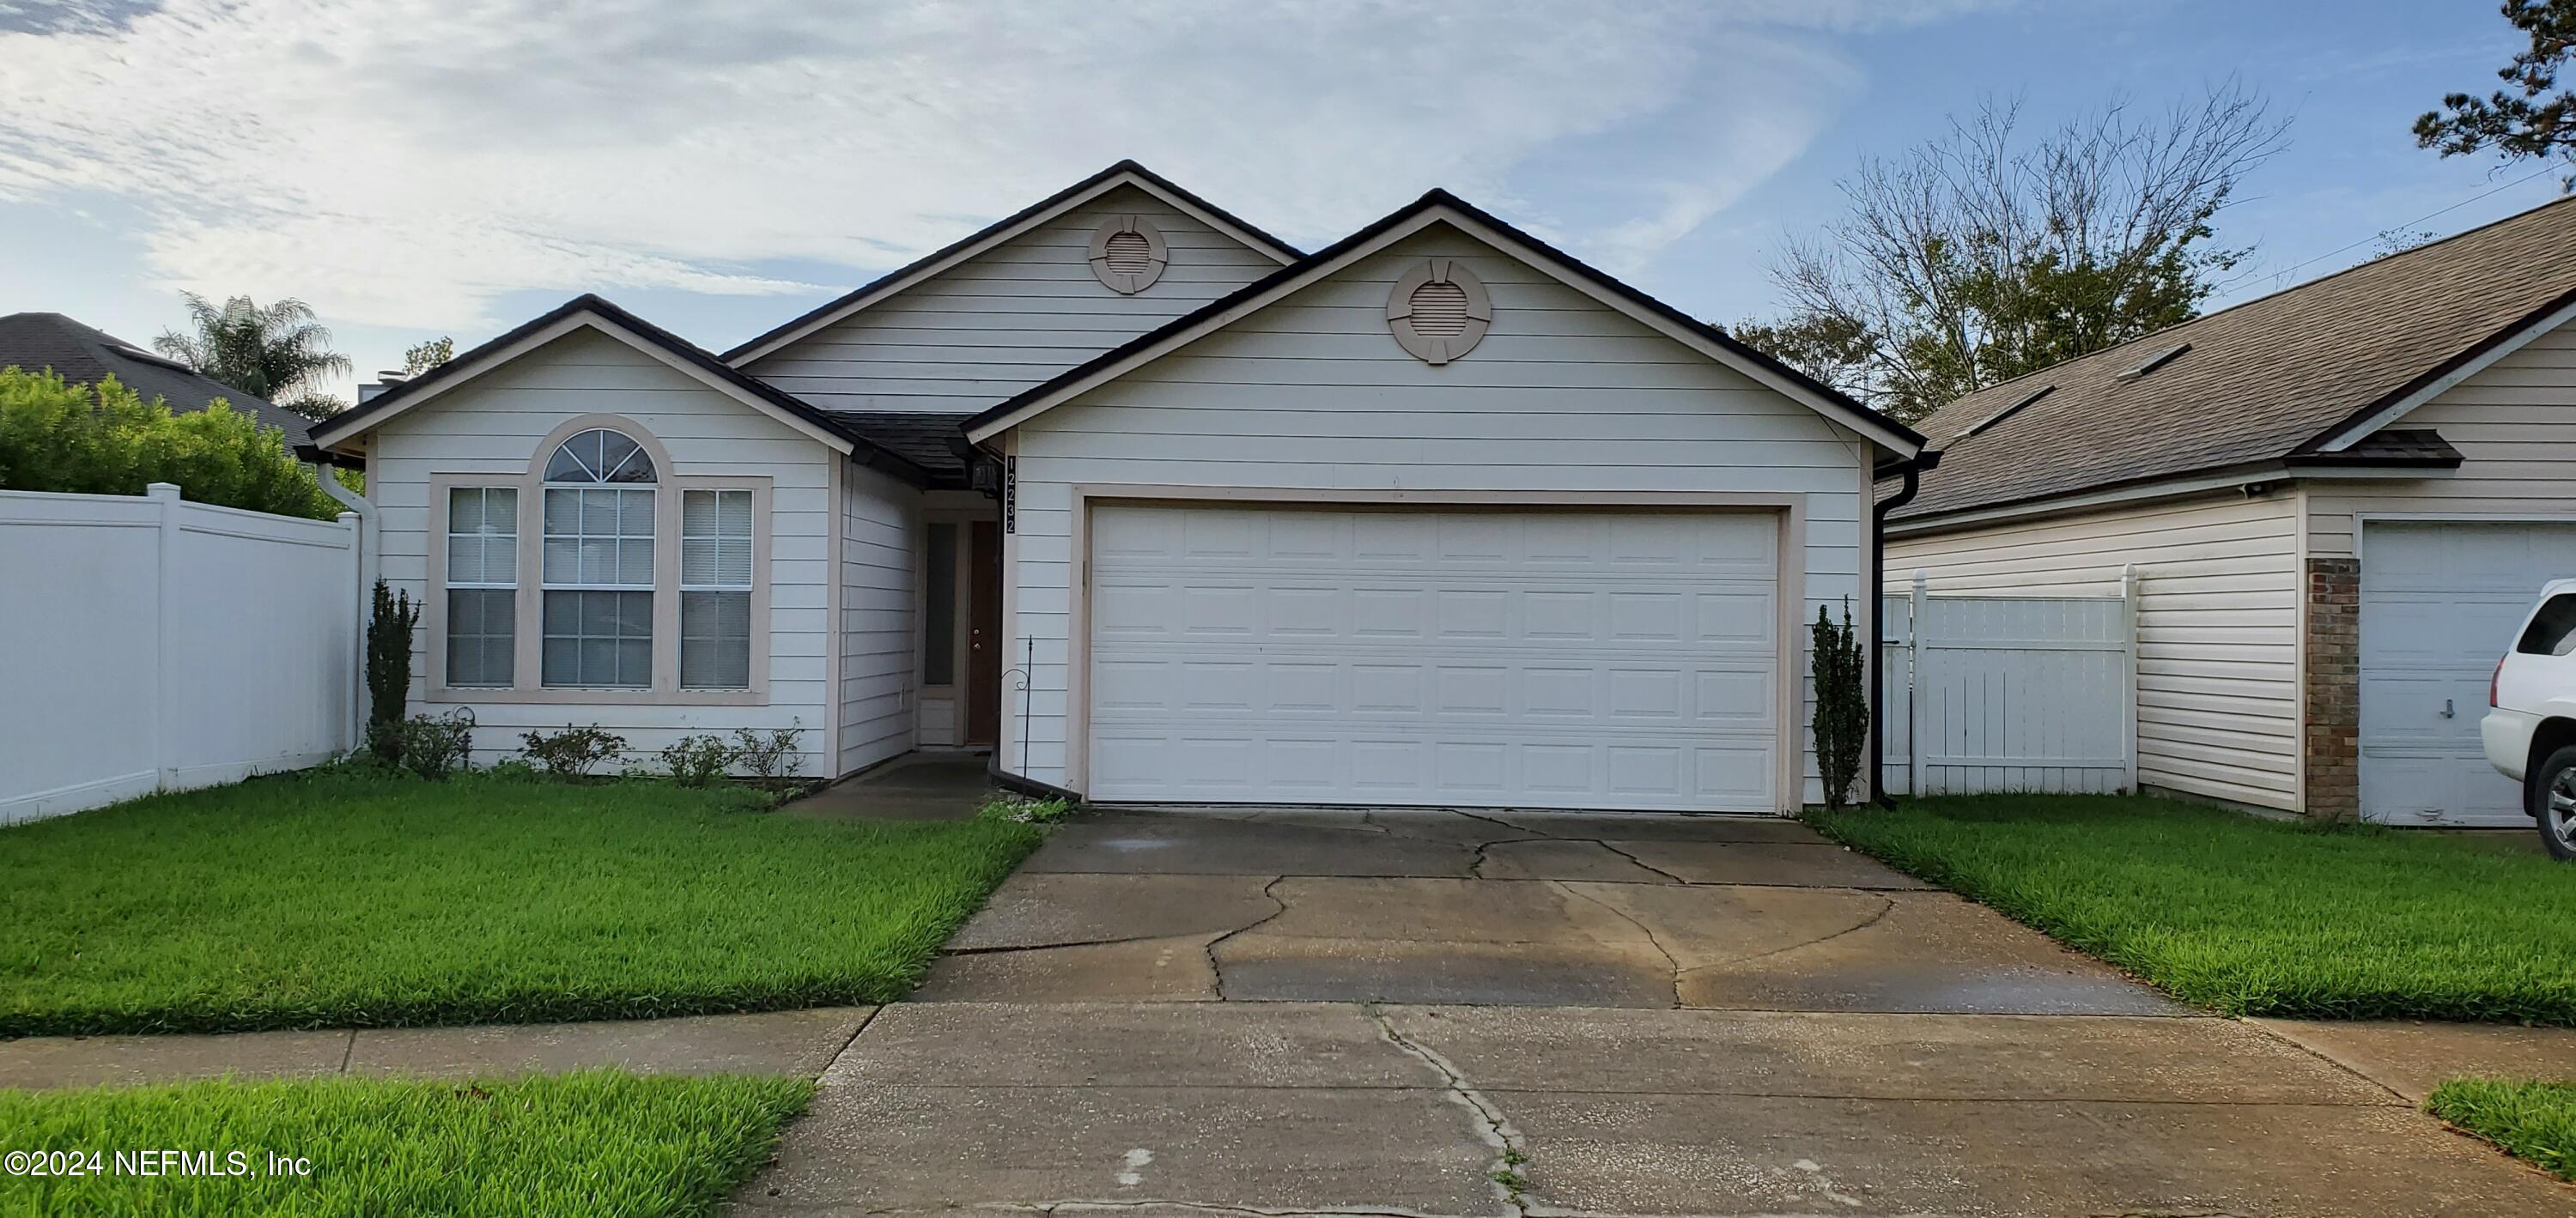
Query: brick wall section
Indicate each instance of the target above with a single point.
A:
(2332, 675)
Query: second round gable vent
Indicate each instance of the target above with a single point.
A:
(1440, 310)
(1129, 254)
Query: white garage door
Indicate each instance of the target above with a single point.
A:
(1478, 658)
(2439, 603)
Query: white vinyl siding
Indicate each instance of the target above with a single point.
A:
(495, 425)
(1013, 316)
(2514, 423)
(880, 551)
(2218, 624)
(1563, 396)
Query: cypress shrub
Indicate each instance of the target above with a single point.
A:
(1842, 705)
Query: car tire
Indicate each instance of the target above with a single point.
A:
(2553, 803)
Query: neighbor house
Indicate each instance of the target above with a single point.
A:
(1160, 509)
(83, 355)
(2340, 499)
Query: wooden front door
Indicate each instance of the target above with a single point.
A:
(984, 633)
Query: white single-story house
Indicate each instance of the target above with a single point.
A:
(2340, 499)
(1160, 510)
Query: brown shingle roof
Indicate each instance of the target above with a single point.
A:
(2261, 378)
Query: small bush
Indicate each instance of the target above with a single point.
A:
(1024, 811)
(697, 761)
(769, 757)
(435, 746)
(572, 752)
(1841, 724)
(104, 439)
(389, 633)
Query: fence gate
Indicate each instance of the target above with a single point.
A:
(2010, 693)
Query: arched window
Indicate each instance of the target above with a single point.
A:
(598, 566)
(601, 573)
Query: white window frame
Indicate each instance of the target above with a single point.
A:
(527, 658)
(749, 584)
(444, 506)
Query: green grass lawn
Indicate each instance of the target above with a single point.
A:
(2256, 917)
(348, 899)
(595, 1143)
(2535, 1121)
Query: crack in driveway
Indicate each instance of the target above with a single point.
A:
(1494, 1128)
(1216, 970)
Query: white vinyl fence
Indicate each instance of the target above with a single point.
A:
(149, 643)
(2010, 693)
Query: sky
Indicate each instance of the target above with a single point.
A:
(413, 168)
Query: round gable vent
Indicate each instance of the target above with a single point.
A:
(1128, 255)
(1439, 311)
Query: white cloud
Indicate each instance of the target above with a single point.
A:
(403, 162)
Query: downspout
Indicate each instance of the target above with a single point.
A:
(365, 592)
(1874, 580)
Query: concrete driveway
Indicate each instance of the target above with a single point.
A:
(1441, 1013)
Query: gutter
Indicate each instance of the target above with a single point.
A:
(1873, 581)
(363, 525)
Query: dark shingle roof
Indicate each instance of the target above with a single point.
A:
(934, 442)
(2262, 378)
(82, 355)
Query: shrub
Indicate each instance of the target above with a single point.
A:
(767, 758)
(104, 439)
(435, 746)
(697, 761)
(1842, 705)
(389, 633)
(572, 752)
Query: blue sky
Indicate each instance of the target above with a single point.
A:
(417, 167)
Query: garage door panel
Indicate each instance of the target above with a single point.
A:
(2439, 602)
(1552, 659)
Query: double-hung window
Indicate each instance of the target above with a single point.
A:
(715, 589)
(482, 585)
(598, 564)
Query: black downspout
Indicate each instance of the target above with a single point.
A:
(1875, 581)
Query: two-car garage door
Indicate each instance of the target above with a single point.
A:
(1567, 659)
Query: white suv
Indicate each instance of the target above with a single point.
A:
(2530, 734)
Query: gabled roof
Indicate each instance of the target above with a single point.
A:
(84, 356)
(2293, 377)
(1442, 206)
(595, 313)
(1124, 173)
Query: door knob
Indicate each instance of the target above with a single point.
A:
(2447, 713)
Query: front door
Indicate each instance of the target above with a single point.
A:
(984, 633)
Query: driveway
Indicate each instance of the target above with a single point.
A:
(1444, 1013)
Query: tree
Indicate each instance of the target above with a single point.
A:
(1841, 720)
(277, 353)
(421, 357)
(2523, 120)
(1980, 256)
(103, 439)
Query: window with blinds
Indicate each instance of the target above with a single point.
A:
(482, 585)
(716, 550)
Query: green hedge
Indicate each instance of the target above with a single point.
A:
(103, 439)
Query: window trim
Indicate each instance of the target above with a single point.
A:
(529, 623)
